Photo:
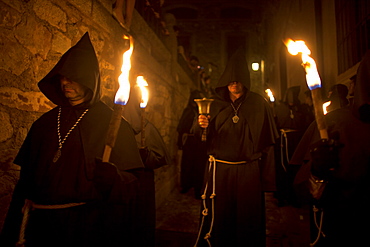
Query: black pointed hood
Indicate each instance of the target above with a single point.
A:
(361, 105)
(236, 70)
(79, 64)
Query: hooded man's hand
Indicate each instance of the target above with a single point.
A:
(203, 121)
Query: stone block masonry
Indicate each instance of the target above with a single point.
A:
(33, 36)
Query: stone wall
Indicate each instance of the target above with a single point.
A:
(33, 36)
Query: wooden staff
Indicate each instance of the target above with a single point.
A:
(121, 99)
(319, 114)
(314, 84)
(113, 128)
(142, 127)
(313, 81)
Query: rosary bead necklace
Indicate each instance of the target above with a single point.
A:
(61, 142)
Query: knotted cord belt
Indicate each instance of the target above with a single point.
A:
(29, 206)
(212, 165)
(284, 136)
(318, 225)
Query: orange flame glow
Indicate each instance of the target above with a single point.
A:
(295, 47)
(270, 95)
(309, 64)
(325, 106)
(142, 84)
(123, 92)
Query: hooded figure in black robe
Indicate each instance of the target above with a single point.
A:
(289, 113)
(346, 168)
(154, 155)
(241, 138)
(90, 199)
(291, 122)
(194, 153)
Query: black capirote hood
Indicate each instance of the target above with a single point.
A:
(80, 65)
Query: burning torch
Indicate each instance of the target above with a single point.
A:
(142, 84)
(271, 99)
(325, 107)
(270, 95)
(313, 81)
(120, 101)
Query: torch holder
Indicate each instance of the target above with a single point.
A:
(142, 127)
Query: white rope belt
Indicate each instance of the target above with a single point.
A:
(318, 225)
(212, 166)
(29, 206)
(283, 137)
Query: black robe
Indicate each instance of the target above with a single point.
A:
(194, 153)
(239, 202)
(346, 198)
(291, 122)
(154, 155)
(104, 220)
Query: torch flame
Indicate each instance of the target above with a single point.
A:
(123, 91)
(325, 106)
(309, 64)
(142, 84)
(271, 96)
(295, 47)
